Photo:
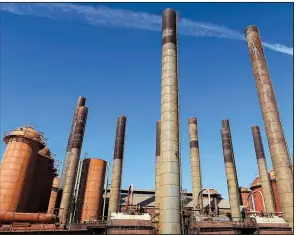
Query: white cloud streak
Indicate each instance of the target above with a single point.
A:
(108, 17)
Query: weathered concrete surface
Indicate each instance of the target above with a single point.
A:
(274, 130)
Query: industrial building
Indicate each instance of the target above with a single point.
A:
(80, 201)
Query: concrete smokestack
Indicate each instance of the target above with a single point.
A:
(157, 166)
(194, 160)
(169, 219)
(233, 190)
(274, 130)
(80, 102)
(71, 170)
(117, 166)
(263, 172)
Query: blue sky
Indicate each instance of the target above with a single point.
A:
(46, 64)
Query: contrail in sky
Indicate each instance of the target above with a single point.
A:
(109, 17)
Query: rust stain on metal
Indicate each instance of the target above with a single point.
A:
(119, 141)
(274, 130)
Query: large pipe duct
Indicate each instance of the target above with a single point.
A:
(232, 182)
(80, 102)
(263, 172)
(157, 166)
(71, 170)
(117, 166)
(170, 214)
(194, 160)
(274, 130)
(53, 196)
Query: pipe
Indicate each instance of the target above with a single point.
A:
(76, 144)
(28, 217)
(252, 193)
(53, 195)
(170, 213)
(273, 127)
(231, 175)
(263, 172)
(106, 189)
(194, 159)
(157, 167)
(114, 199)
(80, 102)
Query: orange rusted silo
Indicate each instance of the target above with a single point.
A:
(91, 189)
(17, 168)
(53, 195)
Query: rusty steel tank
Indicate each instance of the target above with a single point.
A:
(44, 161)
(53, 195)
(91, 189)
(17, 168)
(49, 173)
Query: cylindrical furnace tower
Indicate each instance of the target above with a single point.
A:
(232, 182)
(170, 214)
(80, 102)
(53, 195)
(263, 172)
(117, 166)
(194, 160)
(157, 167)
(89, 202)
(274, 131)
(41, 185)
(71, 170)
(17, 168)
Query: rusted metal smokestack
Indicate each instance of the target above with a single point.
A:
(157, 166)
(170, 214)
(80, 102)
(194, 160)
(232, 182)
(274, 130)
(71, 170)
(263, 172)
(117, 166)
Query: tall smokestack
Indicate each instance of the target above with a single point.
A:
(157, 166)
(273, 127)
(232, 182)
(117, 166)
(263, 172)
(169, 219)
(194, 160)
(80, 102)
(71, 170)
